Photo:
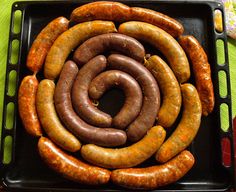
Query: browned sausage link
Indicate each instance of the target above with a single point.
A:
(26, 105)
(201, 71)
(131, 88)
(101, 136)
(43, 43)
(114, 11)
(154, 176)
(151, 95)
(70, 167)
(110, 41)
(79, 95)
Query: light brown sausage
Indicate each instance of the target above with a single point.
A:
(170, 90)
(125, 157)
(201, 71)
(70, 39)
(70, 167)
(115, 11)
(49, 119)
(188, 127)
(43, 43)
(154, 176)
(162, 41)
(26, 105)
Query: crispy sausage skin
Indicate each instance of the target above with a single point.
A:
(26, 104)
(154, 176)
(43, 43)
(132, 90)
(70, 39)
(49, 119)
(109, 42)
(201, 71)
(163, 42)
(151, 95)
(79, 95)
(114, 11)
(70, 167)
(187, 128)
(128, 156)
(170, 90)
(101, 136)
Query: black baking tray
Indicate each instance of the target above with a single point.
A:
(26, 171)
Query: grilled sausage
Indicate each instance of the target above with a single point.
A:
(163, 42)
(187, 128)
(130, 87)
(43, 43)
(151, 95)
(114, 11)
(154, 176)
(49, 119)
(70, 39)
(70, 167)
(170, 89)
(101, 136)
(201, 71)
(26, 105)
(128, 156)
(79, 95)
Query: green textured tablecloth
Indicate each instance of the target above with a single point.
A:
(5, 9)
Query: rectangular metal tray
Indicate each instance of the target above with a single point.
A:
(26, 170)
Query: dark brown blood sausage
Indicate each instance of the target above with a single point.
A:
(201, 71)
(151, 95)
(79, 95)
(101, 136)
(109, 42)
(43, 43)
(26, 104)
(154, 176)
(131, 88)
(70, 167)
(114, 11)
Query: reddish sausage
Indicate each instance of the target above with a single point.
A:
(109, 42)
(43, 43)
(79, 95)
(187, 128)
(130, 87)
(201, 72)
(70, 167)
(163, 42)
(114, 11)
(26, 104)
(151, 95)
(154, 176)
(101, 136)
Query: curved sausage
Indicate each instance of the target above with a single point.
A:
(128, 156)
(26, 105)
(170, 90)
(70, 39)
(43, 43)
(70, 167)
(101, 136)
(132, 90)
(118, 12)
(163, 42)
(49, 119)
(79, 94)
(151, 95)
(109, 42)
(188, 127)
(201, 71)
(154, 176)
